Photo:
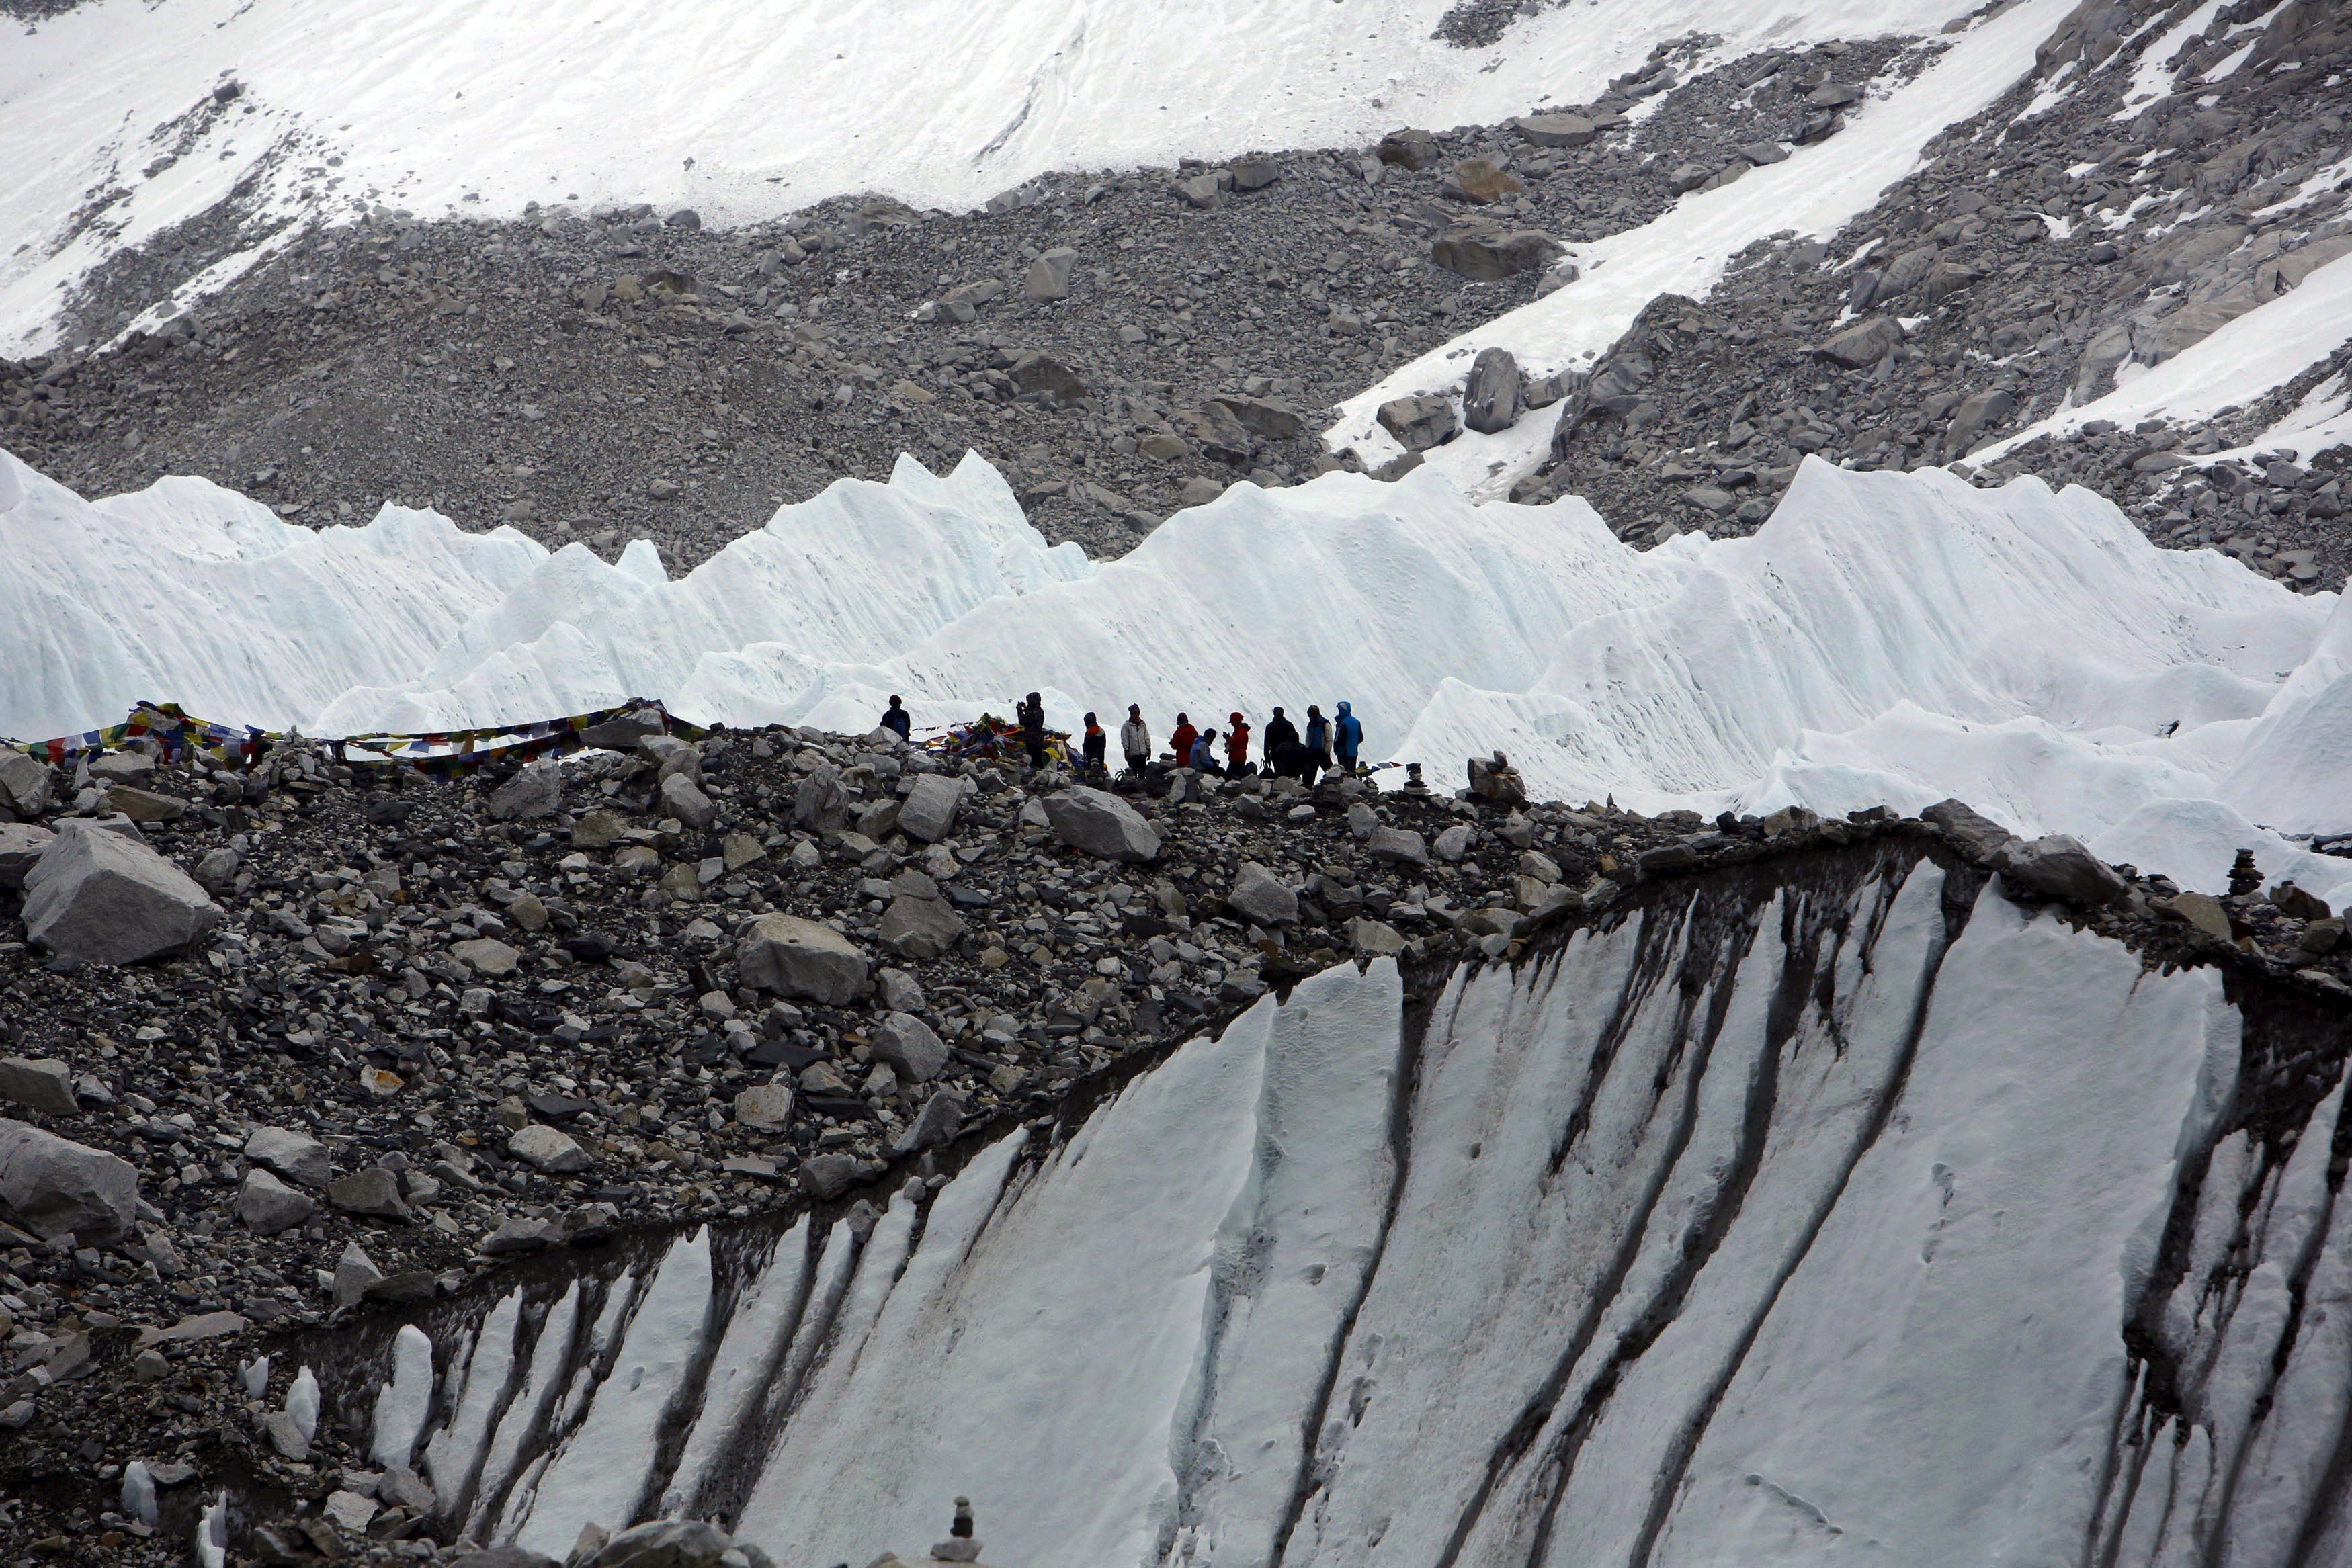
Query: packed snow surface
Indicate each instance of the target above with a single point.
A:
(1760, 1225)
(743, 112)
(1884, 639)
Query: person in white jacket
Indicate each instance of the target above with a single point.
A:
(1135, 739)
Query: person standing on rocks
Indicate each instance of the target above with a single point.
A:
(1280, 734)
(1182, 739)
(1318, 745)
(1347, 737)
(1031, 714)
(1236, 745)
(1094, 742)
(895, 717)
(1134, 740)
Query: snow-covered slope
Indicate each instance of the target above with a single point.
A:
(1885, 639)
(741, 110)
(1773, 1225)
(1812, 192)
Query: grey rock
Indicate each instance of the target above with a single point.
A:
(375, 1192)
(1375, 937)
(1419, 423)
(520, 1234)
(1761, 152)
(683, 799)
(1205, 190)
(99, 898)
(122, 766)
(818, 804)
(1101, 825)
(45, 1086)
(929, 811)
(537, 792)
(765, 1106)
(548, 1149)
(623, 733)
(939, 1120)
(1836, 95)
(918, 928)
(487, 956)
(910, 1048)
(1964, 826)
(52, 1186)
(666, 1544)
(1400, 846)
(297, 1156)
(268, 1206)
(1485, 255)
(1974, 416)
(354, 1272)
(1862, 344)
(26, 786)
(1262, 416)
(1260, 896)
(899, 991)
(1555, 130)
(1452, 843)
(1254, 173)
(796, 957)
(504, 1557)
(1049, 275)
(2059, 865)
(1490, 396)
(217, 871)
(829, 1176)
(1408, 149)
(21, 844)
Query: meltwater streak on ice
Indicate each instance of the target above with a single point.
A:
(1884, 639)
(1788, 1217)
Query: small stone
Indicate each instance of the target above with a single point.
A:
(487, 956)
(1375, 937)
(296, 1156)
(918, 928)
(1419, 423)
(827, 1177)
(548, 1149)
(1398, 845)
(937, 1123)
(764, 1106)
(21, 845)
(1555, 130)
(1452, 843)
(1049, 275)
(375, 1192)
(1490, 396)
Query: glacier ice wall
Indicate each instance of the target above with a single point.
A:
(1852, 1213)
(1885, 639)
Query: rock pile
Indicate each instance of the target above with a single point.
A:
(441, 1023)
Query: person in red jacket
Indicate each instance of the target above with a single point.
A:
(1236, 745)
(1182, 740)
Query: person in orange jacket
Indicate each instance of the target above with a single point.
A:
(1237, 735)
(1182, 740)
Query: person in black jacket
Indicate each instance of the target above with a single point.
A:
(1280, 734)
(1031, 714)
(1096, 741)
(895, 717)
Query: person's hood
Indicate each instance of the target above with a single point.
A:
(1343, 708)
(1232, 718)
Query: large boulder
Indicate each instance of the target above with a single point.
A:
(683, 799)
(1485, 256)
(98, 897)
(910, 1047)
(918, 928)
(1419, 423)
(537, 792)
(1102, 824)
(1555, 129)
(54, 1186)
(296, 1156)
(796, 957)
(25, 785)
(21, 844)
(2062, 867)
(939, 1120)
(1969, 828)
(666, 1544)
(929, 811)
(1863, 344)
(268, 1206)
(1490, 397)
(1259, 895)
(46, 1086)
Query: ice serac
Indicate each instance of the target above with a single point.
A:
(1884, 639)
(1842, 1206)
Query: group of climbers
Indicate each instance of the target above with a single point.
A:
(1326, 744)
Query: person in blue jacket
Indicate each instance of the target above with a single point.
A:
(1348, 737)
(1204, 752)
(1318, 745)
